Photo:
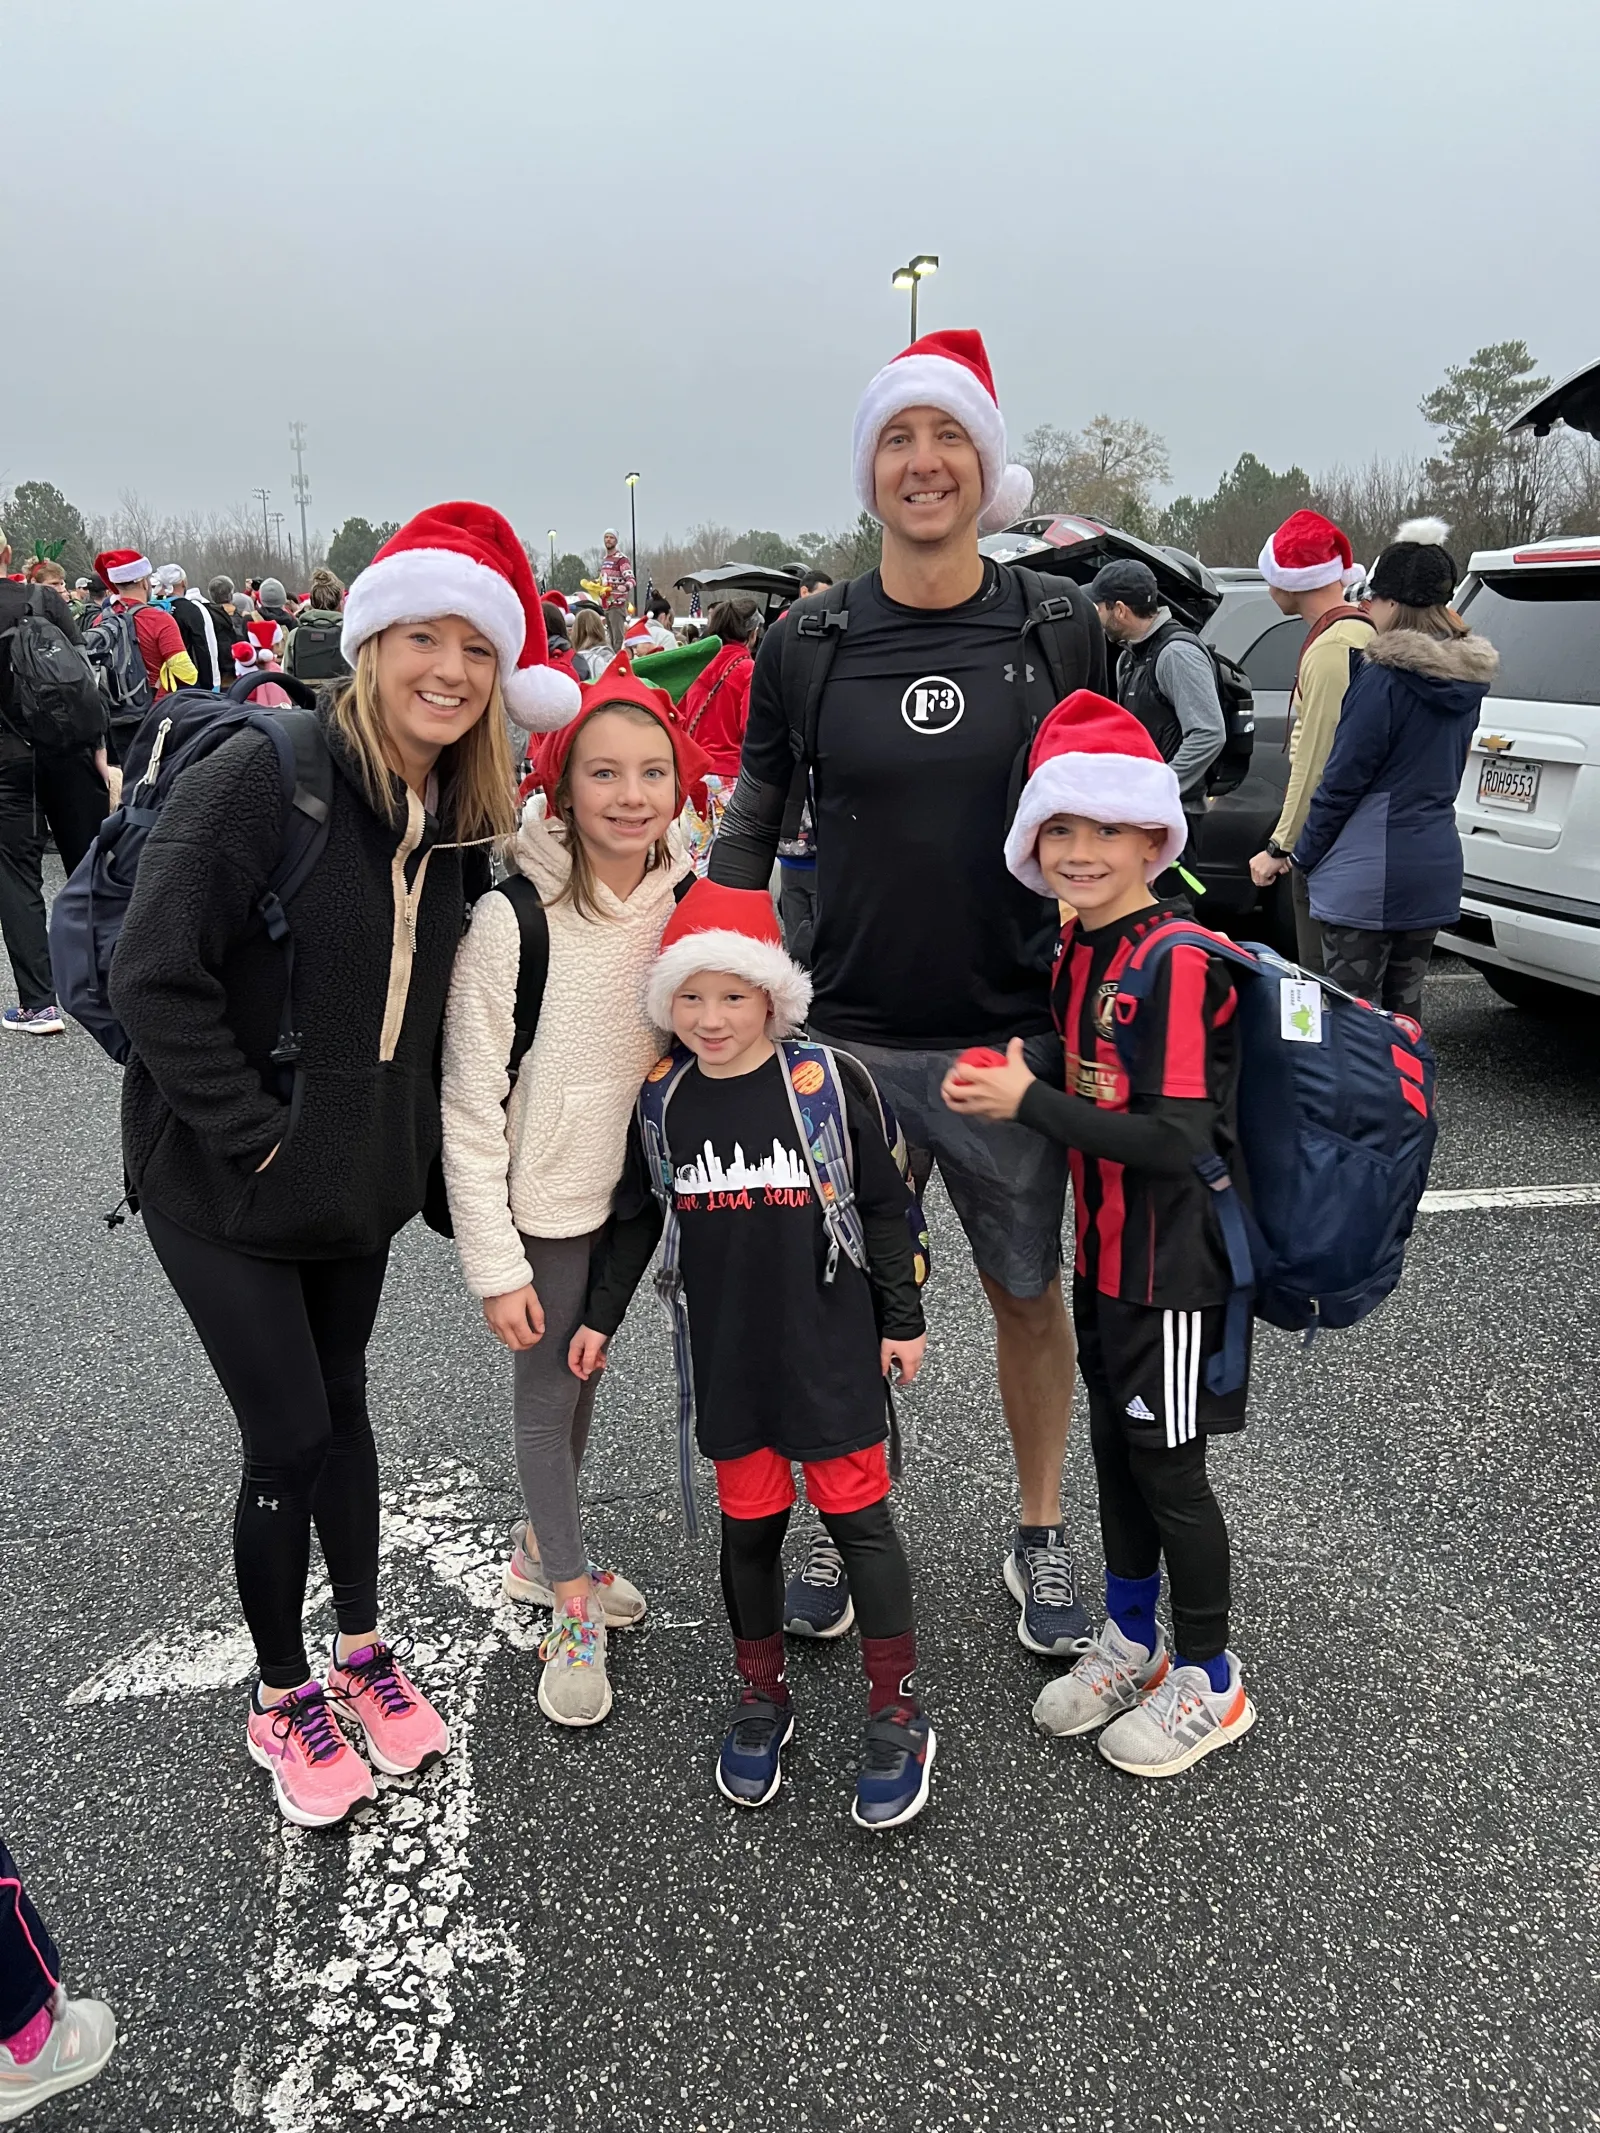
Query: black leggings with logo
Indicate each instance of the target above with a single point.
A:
(288, 1341)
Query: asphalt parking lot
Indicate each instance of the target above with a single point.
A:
(1378, 1912)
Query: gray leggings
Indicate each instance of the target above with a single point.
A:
(551, 1408)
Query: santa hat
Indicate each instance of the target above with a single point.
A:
(619, 684)
(266, 634)
(243, 654)
(1307, 550)
(555, 597)
(121, 566)
(949, 371)
(735, 930)
(637, 638)
(464, 559)
(1090, 757)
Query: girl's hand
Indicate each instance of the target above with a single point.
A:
(516, 1318)
(989, 1092)
(587, 1353)
(908, 1354)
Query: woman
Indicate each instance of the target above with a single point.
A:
(271, 1191)
(312, 651)
(716, 709)
(1380, 850)
(591, 647)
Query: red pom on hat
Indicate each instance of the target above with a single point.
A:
(1307, 551)
(1092, 758)
(716, 928)
(949, 371)
(465, 559)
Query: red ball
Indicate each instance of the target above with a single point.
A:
(982, 1055)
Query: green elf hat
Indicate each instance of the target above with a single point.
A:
(675, 670)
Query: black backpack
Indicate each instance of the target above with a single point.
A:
(111, 645)
(56, 704)
(1060, 618)
(314, 652)
(1234, 694)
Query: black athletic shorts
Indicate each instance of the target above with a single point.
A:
(1148, 1368)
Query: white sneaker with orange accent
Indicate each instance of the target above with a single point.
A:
(1182, 1719)
(1110, 1678)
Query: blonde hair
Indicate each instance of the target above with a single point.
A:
(580, 889)
(43, 572)
(587, 630)
(1431, 621)
(476, 771)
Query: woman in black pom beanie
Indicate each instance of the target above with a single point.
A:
(1380, 849)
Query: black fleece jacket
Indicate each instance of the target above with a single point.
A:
(198, 987)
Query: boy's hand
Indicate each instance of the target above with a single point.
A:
(517, 1318)
(908, 1354)
(587, 1353)
(988, 1092)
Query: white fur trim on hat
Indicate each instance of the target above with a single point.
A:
(1105, 788)
(420, 585)
(129, 573)
(934, 381)
(762, 963)
(1310, 576)
(1424, 532)
(540, 699)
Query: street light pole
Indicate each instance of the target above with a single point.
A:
(302, 492)
(266, 537)
(911, 276)
(550, 586)
(633, 534)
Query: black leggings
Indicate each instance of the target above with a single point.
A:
(288, 1341)
(874, 1561)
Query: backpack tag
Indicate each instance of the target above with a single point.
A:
(1299, 1011)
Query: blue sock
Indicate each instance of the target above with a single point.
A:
(1215, 1670)
(1131, 1604)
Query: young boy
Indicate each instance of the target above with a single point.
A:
(1098, 819)
(788, 1363)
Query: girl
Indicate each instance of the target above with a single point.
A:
(591, 647)
(271, 1189)
(531, 1170)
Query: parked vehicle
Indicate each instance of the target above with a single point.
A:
(775, 589)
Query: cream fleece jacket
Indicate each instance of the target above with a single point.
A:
(548, 1164)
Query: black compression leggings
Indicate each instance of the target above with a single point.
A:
(874, 1561)
(288, 1341)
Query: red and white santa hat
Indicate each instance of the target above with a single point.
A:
(949, 371)
(1092, 758)
(266, 634)
(465, 559)
(122, 566)
(735, 930)
(1308, 550)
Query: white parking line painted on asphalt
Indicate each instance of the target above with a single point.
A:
(1462, 1203)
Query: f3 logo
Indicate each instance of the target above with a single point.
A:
(932, 705)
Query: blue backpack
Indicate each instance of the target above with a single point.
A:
(86, 918)
(813, 1078)
(1336, 1131)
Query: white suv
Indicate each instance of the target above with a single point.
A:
(1529, 805)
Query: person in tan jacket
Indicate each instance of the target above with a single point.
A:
(1308, 567)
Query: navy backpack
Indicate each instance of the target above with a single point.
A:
(1336, 1131)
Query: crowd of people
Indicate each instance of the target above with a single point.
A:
(648, 1050)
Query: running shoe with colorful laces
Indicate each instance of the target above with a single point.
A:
(897, 1752)
(750, 1766)
(82, 2036)
(621, 1602)
(404, 1732)
(1109, 1679)
(1041, 1579)
(1181, 1720)
(574, 1689)
(816, 1600)
(316, 1774)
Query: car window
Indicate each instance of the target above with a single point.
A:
(1272, 659)
(1546, 628)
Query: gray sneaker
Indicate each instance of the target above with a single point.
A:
(82, 2037)
(1178, 1722)
(1109, 1679)
(574, 1689)
(622, 1603)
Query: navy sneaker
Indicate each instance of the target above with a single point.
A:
(750, 1767)
(1043, 1583)
(816, 1600)
(897, 1752)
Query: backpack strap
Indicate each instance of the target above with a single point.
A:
(654, 1097)
(824, 1129)
(533, 964)
(305, 771)
(816, 628)
(1056, 618)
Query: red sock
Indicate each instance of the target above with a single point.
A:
(890, 1663)
(761, 1664)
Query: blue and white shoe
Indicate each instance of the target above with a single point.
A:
(34, 1021)
(1042, 1581)
(816, 1600)
(897, 1752)
(750, 1767)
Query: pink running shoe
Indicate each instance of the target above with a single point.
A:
(404, 1731)
(316, 1774)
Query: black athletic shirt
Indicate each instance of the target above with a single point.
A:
(781, 1358)
(923, 942)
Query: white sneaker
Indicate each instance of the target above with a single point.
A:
(574, 1689)
(1110, 1678)
(622, 1603)
(1181, 1720)
(83, 2035)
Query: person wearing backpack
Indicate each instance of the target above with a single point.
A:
(1099, 819)
(902, 706)
(791, 1338)
(52, 785)
(312, 652)
(166, 661)
(716, 709)
(274, 1165)
(536, 1120)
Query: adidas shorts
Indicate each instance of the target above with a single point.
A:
(1148, 1368)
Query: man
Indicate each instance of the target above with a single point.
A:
(219, 604)
(167, 664)
(812, 581)
(1166, 679)
(924, 944)
(195, 624)
(274, 603)
(616, 581)
(1308, 566)
(42, 795)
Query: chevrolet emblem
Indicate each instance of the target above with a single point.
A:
(1496, 743)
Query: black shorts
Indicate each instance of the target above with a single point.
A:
(1148, 1366)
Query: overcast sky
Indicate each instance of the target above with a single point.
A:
(506, 249)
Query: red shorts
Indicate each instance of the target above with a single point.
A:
(761, 1483)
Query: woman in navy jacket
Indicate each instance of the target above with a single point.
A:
(1380, 848)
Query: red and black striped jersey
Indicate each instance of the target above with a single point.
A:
(1142, 1237)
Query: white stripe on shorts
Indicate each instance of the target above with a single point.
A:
(1180, 1376)
(1166, 1378)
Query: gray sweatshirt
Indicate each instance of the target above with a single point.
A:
(1186, 677)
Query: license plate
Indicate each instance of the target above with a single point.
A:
(1502, 784)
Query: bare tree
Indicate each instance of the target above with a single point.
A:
(1107, 470)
